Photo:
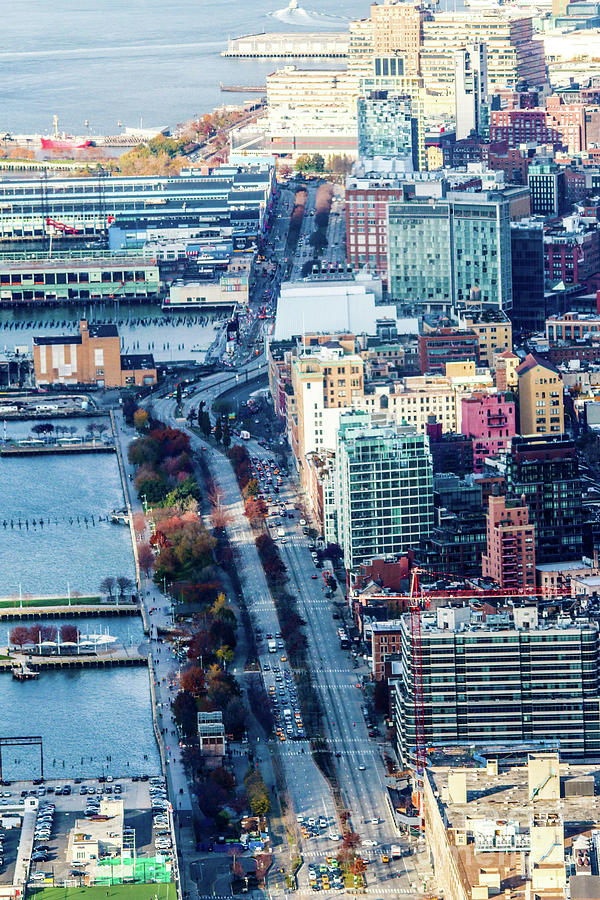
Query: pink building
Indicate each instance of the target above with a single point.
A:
(490, 420)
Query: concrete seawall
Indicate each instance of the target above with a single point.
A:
(125, 486)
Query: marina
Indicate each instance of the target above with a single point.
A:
(91, 720)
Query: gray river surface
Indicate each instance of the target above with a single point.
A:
(110, 61)
(90, 721)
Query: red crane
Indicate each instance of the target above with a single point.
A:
(61, 226)
(419, 706)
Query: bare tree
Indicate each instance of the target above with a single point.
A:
(124, 584)
(107, 585)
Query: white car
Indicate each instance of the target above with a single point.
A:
(334, 837)
(369, 843)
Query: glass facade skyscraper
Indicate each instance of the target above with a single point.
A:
(442, 250)
(383, 488)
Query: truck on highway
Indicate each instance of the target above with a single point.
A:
(272, 645)
(245, 435)
(287, 715)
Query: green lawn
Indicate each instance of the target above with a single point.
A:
(47, 601)
(117, 892)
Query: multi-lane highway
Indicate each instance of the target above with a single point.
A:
(358, 757)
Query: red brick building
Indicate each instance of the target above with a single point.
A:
(436, 348)
(366, 224)
(510, 553)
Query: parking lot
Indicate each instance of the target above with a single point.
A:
(61, 804)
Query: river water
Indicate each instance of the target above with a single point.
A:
(51, 539)
(90, 720)
(110, 61)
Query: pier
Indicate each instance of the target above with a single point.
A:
(40, 448)
(244, 88)
(12, 610)
(62, 663)
(274, 45)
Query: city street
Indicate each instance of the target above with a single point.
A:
(363, 789)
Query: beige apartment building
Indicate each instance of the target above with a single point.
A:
(413, 400)
(325, 380)
(494, 330)
(541, 403)
(397, 30)
(506, 365)
(513, 54)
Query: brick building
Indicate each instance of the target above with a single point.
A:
(572, 254)
(91, 357)
(436, 348)
(510, 553)
(366, 224)
(386, 641)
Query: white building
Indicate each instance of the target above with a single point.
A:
(327, 305)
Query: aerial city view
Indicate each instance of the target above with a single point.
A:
(300, 450)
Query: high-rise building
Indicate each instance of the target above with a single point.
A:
(510, 681)
(546, 471)
(470, 92)
(510, 553)
(541, 404)
(547, 188)
(441, 251)
(514, 56)
(528, 311)
(388, 127)
(325, 380)
(397, 31)
(383, 488)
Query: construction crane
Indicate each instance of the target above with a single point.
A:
(61, 226)
(419, 706)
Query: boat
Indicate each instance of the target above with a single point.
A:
(24, 673)
(65, 143)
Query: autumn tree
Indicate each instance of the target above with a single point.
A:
(193, 681)
(139, 524)
(146, 558)
(69, 634)
(19, 635)
(49, 632)
(140, 419)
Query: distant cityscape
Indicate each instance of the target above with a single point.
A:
(300, 456)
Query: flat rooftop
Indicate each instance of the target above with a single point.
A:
(500, 803)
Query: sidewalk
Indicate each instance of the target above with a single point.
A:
(166, 687)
